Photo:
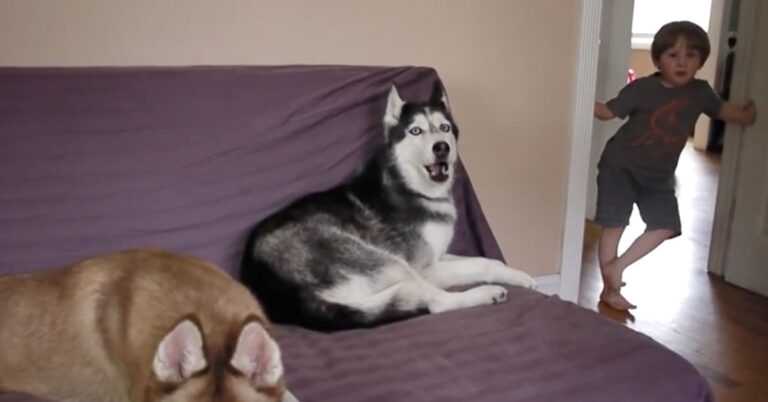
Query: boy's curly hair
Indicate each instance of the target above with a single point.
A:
(695, 37)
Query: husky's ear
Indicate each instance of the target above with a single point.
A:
(394, 108)
(439, 96)
(180, 353)
(257, 356)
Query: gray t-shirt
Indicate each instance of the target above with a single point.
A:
(660, 121)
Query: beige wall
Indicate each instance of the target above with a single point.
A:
(508, 67)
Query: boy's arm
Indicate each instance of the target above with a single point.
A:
(602, 112)
(743, 113)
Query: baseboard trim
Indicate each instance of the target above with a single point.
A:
(548, 284)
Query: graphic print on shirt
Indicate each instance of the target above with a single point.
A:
(665, 134)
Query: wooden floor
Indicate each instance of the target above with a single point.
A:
(720, 328)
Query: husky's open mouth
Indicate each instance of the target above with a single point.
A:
(438, 171)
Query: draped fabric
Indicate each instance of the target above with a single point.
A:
(94, 160)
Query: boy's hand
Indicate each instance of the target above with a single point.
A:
(748, 108)
(602, 112)
(744, 113)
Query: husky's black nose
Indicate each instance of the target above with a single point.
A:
(441, 150)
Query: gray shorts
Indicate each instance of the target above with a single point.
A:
(619, 188)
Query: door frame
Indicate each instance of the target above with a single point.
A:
(581, 143)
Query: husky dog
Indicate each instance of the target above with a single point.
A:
(373, 250)
(136, 326)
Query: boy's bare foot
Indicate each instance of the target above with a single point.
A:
(614, 299)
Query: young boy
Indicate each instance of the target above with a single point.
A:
(638, 163)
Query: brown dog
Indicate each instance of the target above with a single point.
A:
(136, 326)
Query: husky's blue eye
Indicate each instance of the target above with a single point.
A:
(445, 127)
(415, 130)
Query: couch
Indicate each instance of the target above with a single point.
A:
(94, 160)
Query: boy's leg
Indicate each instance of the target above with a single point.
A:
(607, 254)
(658, 207)
(644, 244)
(607, 251)
(615, 196)
(613, 270)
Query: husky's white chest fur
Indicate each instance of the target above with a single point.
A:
(437, 234)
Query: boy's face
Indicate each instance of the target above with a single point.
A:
(678, 64)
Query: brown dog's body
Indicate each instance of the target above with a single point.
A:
(136, 326)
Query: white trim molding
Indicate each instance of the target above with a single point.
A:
(581, 142)
(548, 284)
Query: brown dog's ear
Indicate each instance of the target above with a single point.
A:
(257, 356)
(180, 354)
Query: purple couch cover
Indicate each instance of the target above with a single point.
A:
(94, 160)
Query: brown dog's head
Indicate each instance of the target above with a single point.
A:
(185, 369)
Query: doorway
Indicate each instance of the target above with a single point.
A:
(627, 29)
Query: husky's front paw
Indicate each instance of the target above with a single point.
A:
(477, 296)
(525, 280)
(492, 294)
(500, 296)
(511, 276)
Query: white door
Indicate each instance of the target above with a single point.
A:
(745, 179)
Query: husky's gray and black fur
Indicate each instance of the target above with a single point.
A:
(374, 249)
